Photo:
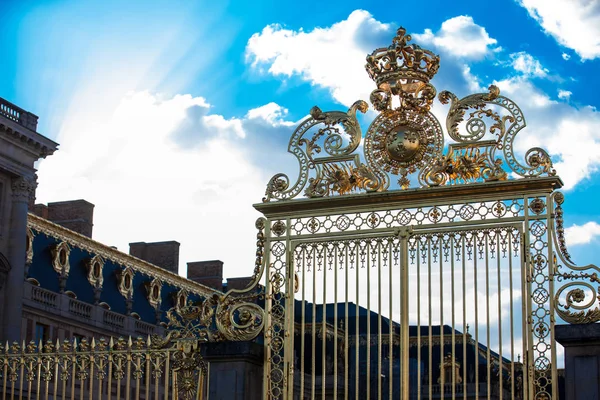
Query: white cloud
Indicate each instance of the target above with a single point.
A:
(527, 65)
(566, 57)
(331, 58)
(165, 169)
(564, 94)
(573, 23)
(272, 113)
(460, 37)
(582, 234)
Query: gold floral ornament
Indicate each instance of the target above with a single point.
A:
(406, 139)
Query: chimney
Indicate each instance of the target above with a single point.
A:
(76, 215)
(238, 283)
(162, 254)
(41, 210)
(209, 273)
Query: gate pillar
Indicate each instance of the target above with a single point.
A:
(582, 360)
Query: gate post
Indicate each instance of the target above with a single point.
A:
(582, 360)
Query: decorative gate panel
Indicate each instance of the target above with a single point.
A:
(384, 309)
(445, 290)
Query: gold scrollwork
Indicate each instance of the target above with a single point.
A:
(234, 316)
(338, 171)
(575, 299)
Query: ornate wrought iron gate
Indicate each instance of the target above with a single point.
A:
(443, 291)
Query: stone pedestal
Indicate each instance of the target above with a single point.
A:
(582, 360)
(236, 370)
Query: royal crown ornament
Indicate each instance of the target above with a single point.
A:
(402, 70)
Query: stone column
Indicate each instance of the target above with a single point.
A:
(22, 189)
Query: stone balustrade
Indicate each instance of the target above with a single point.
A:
(18, 115)
(64, 306)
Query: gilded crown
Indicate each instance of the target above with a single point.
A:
(402, 61)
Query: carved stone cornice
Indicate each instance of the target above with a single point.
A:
(108, 253)
(36, 144)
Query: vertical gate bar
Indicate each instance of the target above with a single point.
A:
(528, 355)
(400, 344)
(419, 377)
(464, 312)
(379, 331)
(324, 324)
(128, 373)
(404, 327)
(551, 271)
(167, 372)
(91, 375)
(156, 374)
(512, 331)
(101, 367)
(475, 303)
(22, 370)
(29, 382)
(47, 384)
(137, 379)
(118, 380)
(526, 309)
(73, 365)
(110, 365)
(314, 322)
(39, 372)
(390, 246)
(357, 323)
(453, 336)
(487, 314)
(148, 355)
(335, 320)
(303, 321)
(428, 248)
(368, 267)
(441, 258)
(500, 361)
(346, 344)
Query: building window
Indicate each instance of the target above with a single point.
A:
(42, 332)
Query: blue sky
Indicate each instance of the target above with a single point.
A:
(173, 115)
